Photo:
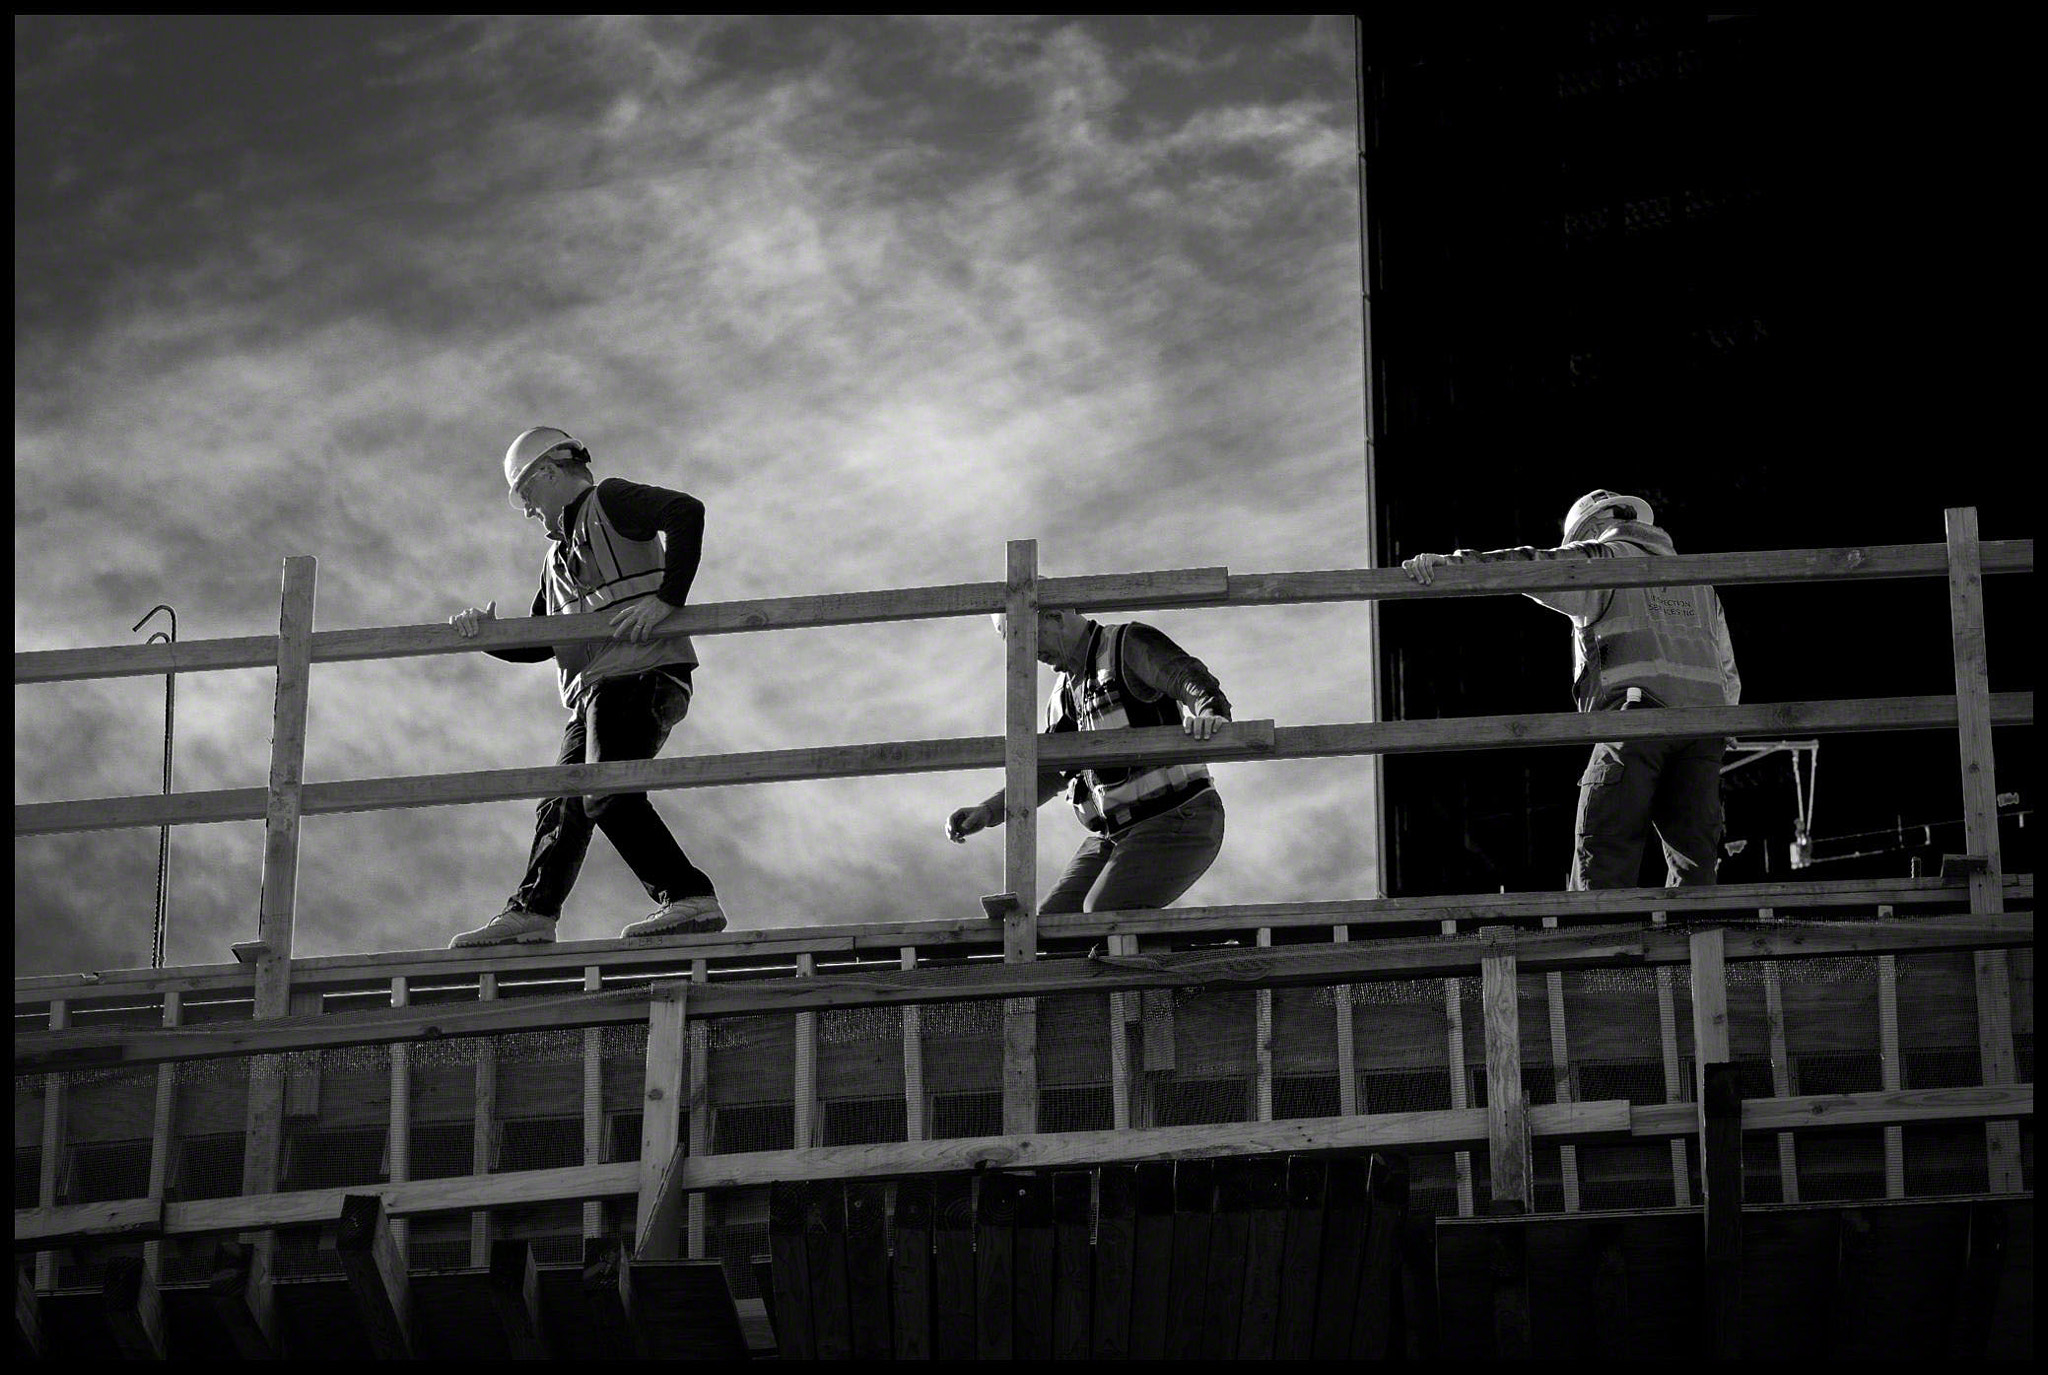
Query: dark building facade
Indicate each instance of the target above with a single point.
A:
(1745, 267)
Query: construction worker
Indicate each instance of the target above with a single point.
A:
(1636, 647)
(1153, 831)
(632, 550)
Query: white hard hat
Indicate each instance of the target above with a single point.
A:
(1600, 499)
(534, 445)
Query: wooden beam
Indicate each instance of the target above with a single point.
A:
(1109, 1325)
(1279, 967)
(1020, 830)
(1034, 1255)
(1073, 1275)
(229, 1288)
(161, 1143)
(804, 1083)
(1890, 1067)
(1294, 1325)
(608, 1295)
(515, 1299)
(1188, 1297)
(1781, 1073)
(1230, 1236)
(954, 1322)
(1347, 1052)
(1250, 740)
(1264, 1180)
(133, 1309)
(1909, 1107)
(1561, 1075)
(50, 1161)
(789, 1258)
(699, 1107)
(28, 1318)
(1262, 1050)
(913, 1058)
(1510, 1170)
(1721, 1181)
(377, 1276)
(1454, 1022)
(1674, 1087)
(1709, 1003)
(483, 1120)
(1151, 1259)
(593, 1106)
(662, 1143)
(399, 1140)
(995, 1229)
(1974, 718)
(910, 1272)
(867, 1272)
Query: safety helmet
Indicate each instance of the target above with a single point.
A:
(535, 445)
(1580, 518)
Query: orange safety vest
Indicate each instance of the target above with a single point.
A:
(597, 567)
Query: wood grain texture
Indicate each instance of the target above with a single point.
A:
(1109, 1328)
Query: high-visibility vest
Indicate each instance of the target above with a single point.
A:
(1103, 699)
(1668, 641)
(593, 568)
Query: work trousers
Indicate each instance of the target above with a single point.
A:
(1630, 787)
(628, 717)
(1148, 864)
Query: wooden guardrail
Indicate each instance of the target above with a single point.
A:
(666, 1173)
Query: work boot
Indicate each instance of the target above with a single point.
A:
(682, 917)
(513, 926)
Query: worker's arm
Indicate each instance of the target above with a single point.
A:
(991, 810)
(1580, 606)
(1155, 665)
(468, 619)
(640, 512)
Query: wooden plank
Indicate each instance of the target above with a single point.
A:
(790, 1258)
(593, 1109)
(825, 1255)
(50, 1161)
(1781, 1073)
(684, 1310)
(1073, 1276)
(1561, 1076)
(1379, 1266)
(1187, 1295)
(995, 1228)
(161, 1144)
(1347, 1053)
(1095, 592)
(484, 1123)
(1151, 1259)
(1220, 1314)
(867, 1273)
(1709, 1004)
(955, 1322)
(28, 1319)
(1346, 1213)
(1265, 1188)
(133, 1309)
(913, 1058)
(1033, 1259)
(1294, 1325)
(699, 1108)
(1020, 828)
(377, 1276)
(1511, 1172)
(1721, 1182)
(661, 1192)
(1890, 1067)
(1454, 1023)
(398, 1129)
(1109, 1328)
(1262, 1043)
(1906, 1107)
(1974, 718)
(515, 1299)
(1674, 1089)
(1123, 1013)
(910, 1272)
(1247, 740)
(228, 1290)
(804, 1088)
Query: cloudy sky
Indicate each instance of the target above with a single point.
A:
(884, 294)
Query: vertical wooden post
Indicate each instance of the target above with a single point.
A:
(593, 1105)
(804, 1092)
(1781, 1069)
(1123, 1010)
(265, 1127)
(661, 1121)
(1454, 1017)
(483, 1124)
(1262, 1040)
(700, 1112)
(913, 1057)
(1674, 1081)
(50, 1165)
(1507, 1109)
(1561, 1073)
(1890, 1064)
(160, 1142)
(1020, 822)
(1347, 1050)
(1980, 829)
(1720, 1127)
(399, 1142)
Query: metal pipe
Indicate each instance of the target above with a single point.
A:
(163, 842)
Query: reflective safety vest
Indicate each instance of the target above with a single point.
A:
(1105, 699)
(1668, 641)
(597, 567)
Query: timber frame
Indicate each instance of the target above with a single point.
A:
(134, 1019)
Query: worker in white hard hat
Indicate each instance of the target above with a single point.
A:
(1634, 648)
(631, 550)
(1152, 831)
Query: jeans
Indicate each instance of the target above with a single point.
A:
(628, 717)
(1148, 864)
(1629, 787)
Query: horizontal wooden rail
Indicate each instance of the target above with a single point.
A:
(1448, 1129)
(1411, 957)
(1099, 592)
(1243, 741)
(741, 949)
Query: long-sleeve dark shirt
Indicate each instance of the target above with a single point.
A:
(639, 512)
(1154, 663)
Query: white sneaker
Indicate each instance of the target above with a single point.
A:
(513, 926)
(683, 917)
